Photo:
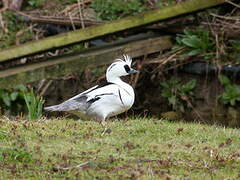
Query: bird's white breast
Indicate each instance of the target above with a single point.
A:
(127, 96)
(118, 99)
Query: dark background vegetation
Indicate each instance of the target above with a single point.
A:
(195, 80)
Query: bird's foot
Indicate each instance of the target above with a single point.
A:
(106, 131)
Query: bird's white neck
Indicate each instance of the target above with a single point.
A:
(122, 84)
(115, 80)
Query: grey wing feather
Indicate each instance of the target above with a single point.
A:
(79, 103)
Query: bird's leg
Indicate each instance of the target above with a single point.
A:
(106, 130)
(103, 123)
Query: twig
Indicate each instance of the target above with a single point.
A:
(232, 3)
(69, 8)
(225, 24)
(5, 5)
(2, 24)
(70, 17)
(170, 58)
(196, 112)
(81, 18)
(46, 87)
(80, 13)
(57, 20)
(136, 77)
(80, 166)
(225, 17)
(230, 25)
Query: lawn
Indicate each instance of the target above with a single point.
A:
(134, 148)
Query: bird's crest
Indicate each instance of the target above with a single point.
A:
(126, 59)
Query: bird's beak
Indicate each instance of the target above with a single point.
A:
(132, 71)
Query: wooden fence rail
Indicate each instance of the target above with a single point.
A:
(59, 66)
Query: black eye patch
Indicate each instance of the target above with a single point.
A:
(127, 68)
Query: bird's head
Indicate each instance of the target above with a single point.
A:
(120, 67)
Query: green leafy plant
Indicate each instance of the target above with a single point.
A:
(12, 100)
(18, 31)
(115, 9)
(195, 42)
(20, 100)
(179, 95)
(34, 105)
(231, 94)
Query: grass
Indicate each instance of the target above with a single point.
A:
(133, 149)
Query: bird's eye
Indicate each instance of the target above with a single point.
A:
(127, 68)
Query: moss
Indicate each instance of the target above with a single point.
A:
(17, 32)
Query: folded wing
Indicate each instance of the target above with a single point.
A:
(83, 101)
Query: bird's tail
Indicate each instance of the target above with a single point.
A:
(53, 108)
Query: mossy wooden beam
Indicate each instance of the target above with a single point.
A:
(111, 27)
(59, 66)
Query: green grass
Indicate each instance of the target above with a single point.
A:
(134, 149)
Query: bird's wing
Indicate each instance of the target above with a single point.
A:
(84, 100)
(97, 93)
(73, 103)
(85, 92)
(93, 90)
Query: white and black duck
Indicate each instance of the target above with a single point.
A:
(103, 101)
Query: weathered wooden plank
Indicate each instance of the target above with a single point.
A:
(58, 66)
(111, 27)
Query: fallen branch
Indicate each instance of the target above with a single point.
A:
(80, 166)
(226, 17)
(73, 6)
(232, 3)
(58, 21)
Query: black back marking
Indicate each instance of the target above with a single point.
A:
(104, 94)
(97, 97)
(105, 83)
(83, 97)
(94, 99)
(127, 68)
(111, 67)
(100, 86)
(120, 96)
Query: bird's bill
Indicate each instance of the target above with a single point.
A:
(132, 71)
